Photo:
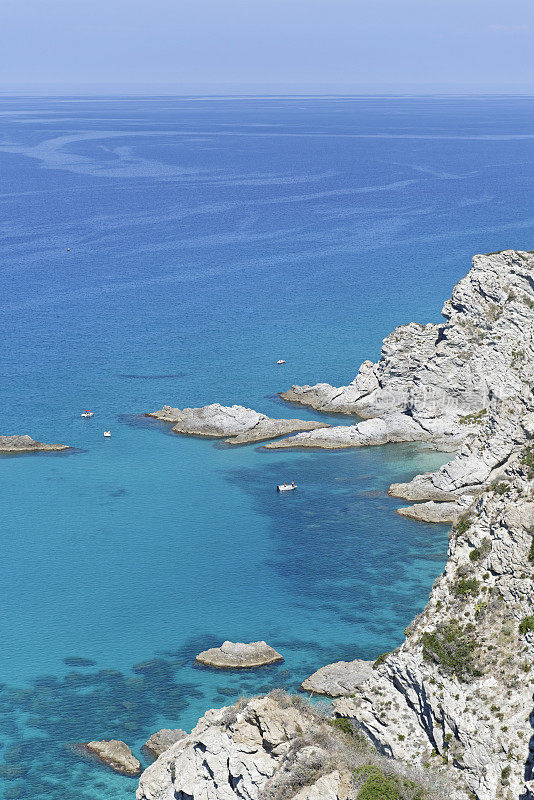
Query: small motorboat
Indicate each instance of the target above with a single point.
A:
(286, 487)
(87, 414)
(280, 361)
(107, 434)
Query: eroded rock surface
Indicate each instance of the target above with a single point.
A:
(162, 740)
(236, 424)
(339, 679)
(239, 655)
(25, 444)
(116, 755)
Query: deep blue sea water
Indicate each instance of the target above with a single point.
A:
(208, 238)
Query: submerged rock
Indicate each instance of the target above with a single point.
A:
(162, 740)
(432, 512)
(25, 444)
(241, 425)
(115, 754)
(339, 679)
(235, 655)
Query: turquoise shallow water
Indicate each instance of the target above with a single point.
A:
(208, 238)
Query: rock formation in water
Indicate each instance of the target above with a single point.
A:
(238, 655)
(462, 385)
(25, 444)
(456, 699)
(269, 748)
(162, 740)
(241, 425)
(116, 755)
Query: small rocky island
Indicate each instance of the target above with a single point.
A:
(454, 701)
(237, 655)
(114, 754)
(234, 424)
(25, 444)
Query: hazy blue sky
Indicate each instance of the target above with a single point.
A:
(321, 44)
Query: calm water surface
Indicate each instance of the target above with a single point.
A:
(208, 238)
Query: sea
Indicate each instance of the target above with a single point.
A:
(161, 250)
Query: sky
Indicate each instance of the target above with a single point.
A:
(269, 45)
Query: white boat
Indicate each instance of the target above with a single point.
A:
(286, 487)
(281, 361)
(107, 434)
(87, 414)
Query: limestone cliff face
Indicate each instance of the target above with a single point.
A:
(458, 694)
(444, 383)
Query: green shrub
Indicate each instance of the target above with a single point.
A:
(531, 551)
(463, 523)
(451, 647)
(527, 459)
(481, 551)
(466, 586)
(377, 785)
(380, 660)
(501, 488)
(526, 625)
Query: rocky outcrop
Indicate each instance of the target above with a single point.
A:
(339, 679)
(25, 444)
(116, 755)
(269, 748)
(432, 512)
(458, 693)
(455, 384)
(235, 424)
(238, 655)
(162, 740)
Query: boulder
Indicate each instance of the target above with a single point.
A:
(116, 755)
(235, 424)
(339, 679)
(162, 740)
(25, 444)
(237, 655)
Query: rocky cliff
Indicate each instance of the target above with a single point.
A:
(458, 693)
(456, 698)
(274, 748)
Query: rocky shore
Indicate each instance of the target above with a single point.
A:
(25, 444)
(455, 699)
(234, 424)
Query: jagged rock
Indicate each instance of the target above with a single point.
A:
(241, 425)
(237, 655)
(25, 444)
(461, 384)
(262, 748)
(115, 754)
(339, 679)
(370, 432)
(432, 512)
(162, 740)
